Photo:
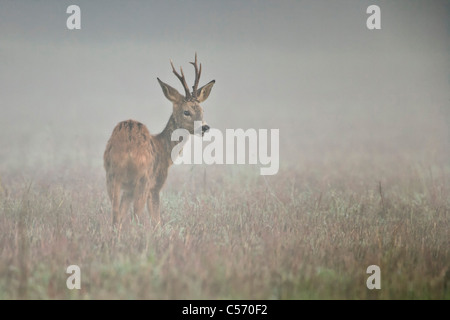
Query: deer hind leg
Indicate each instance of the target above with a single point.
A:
(153, 207)
(109, 186)
(140, 196)
(127, 198)
(114, 195)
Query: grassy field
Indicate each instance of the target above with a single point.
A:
(309, 232)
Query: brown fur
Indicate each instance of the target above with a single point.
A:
(137, 163)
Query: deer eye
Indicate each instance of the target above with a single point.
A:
(187, 113)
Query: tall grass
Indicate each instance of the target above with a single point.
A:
(309, 232)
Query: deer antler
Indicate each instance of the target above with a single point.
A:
(198, 72)
(182, 79)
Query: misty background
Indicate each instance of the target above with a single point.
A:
(309, 68)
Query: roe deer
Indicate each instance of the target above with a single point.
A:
(137, 162)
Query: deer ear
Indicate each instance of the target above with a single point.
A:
(203, 92)
(171, 93)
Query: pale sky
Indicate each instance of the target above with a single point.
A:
(310, 68)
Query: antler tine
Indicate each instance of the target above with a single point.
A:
(198, 72)
(182, 79)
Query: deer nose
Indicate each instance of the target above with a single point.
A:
(205, 128)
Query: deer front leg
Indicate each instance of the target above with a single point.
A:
(153, 207)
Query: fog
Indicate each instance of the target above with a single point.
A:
(309, 68)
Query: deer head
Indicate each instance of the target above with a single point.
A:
(187, 109)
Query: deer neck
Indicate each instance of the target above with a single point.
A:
(165, 138)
